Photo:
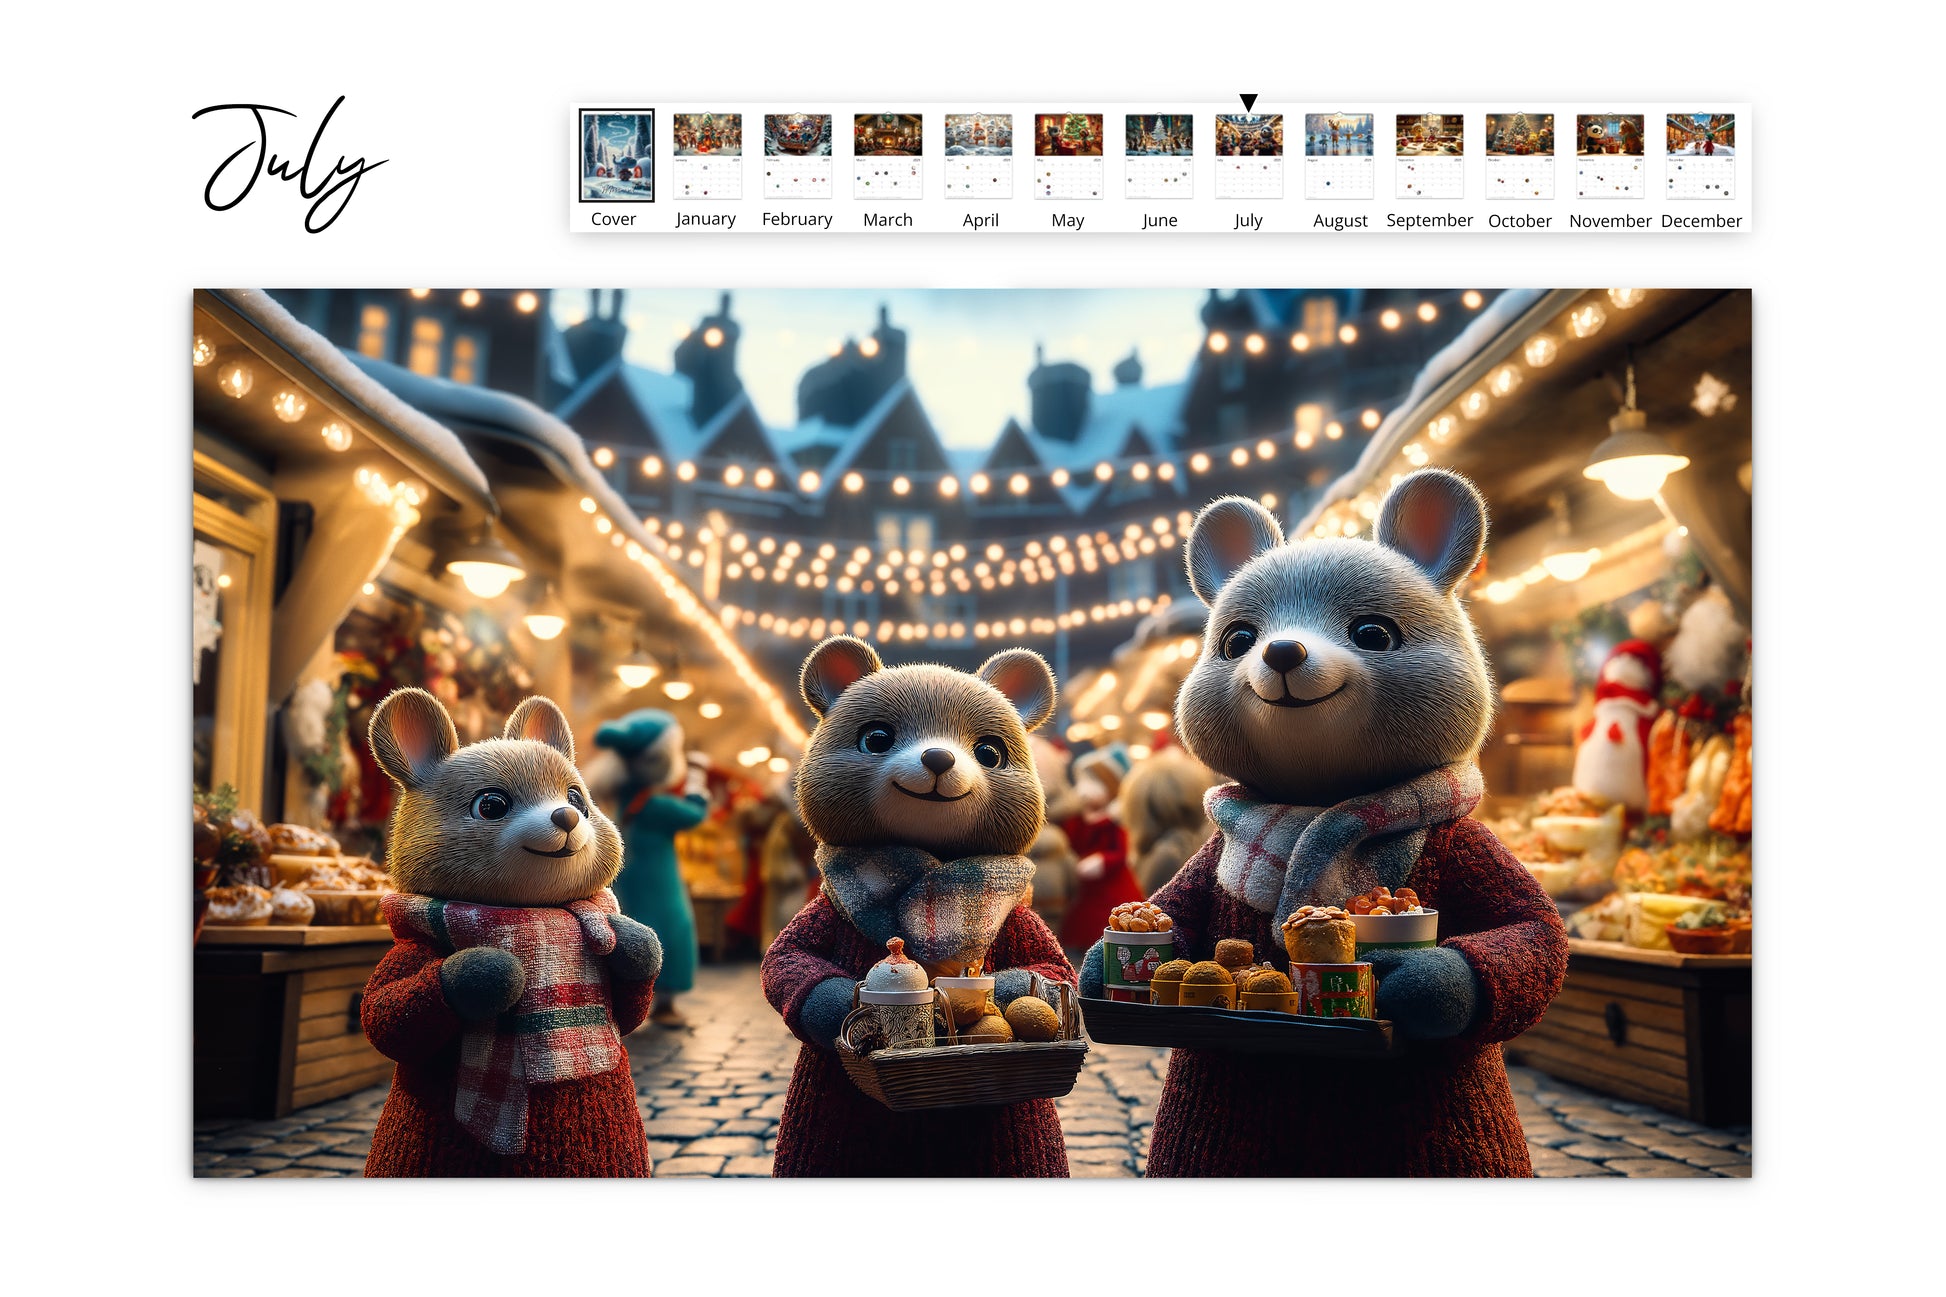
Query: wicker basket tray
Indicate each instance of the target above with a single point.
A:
(1114, 1022)
(966, 1076)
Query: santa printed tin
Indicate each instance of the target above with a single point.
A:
(1129, 961)
(1335, 990)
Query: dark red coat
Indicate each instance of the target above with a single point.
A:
(832, 1128)
(1444, 1108)
(1087, 914)
(588, 1127)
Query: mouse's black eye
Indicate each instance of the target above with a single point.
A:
(492, 804)
(1375, 634)
(991, 753)
(576, 800)
(1238, 639)
(875, 738)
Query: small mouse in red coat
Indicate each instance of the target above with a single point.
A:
(513, 976)
(1343, 688)
(920, 789)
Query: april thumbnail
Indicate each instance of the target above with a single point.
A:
(979, 134)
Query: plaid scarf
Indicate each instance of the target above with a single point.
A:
(1276, 858)
(947, 911)
(561, 1028)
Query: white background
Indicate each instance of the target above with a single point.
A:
(106, 236)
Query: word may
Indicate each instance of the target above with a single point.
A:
(340, 182)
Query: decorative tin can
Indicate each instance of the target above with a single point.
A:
(1396, 931)
(1336, 990)
(904, 1017)
(1129, 961)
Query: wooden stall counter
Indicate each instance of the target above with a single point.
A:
(275, 1017)
(1653, 1026)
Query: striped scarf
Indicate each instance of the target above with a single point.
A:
(1276, 858)
(561, 1028)
(947, 911)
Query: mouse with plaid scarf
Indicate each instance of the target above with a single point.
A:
(1342, 688)
(513, 976)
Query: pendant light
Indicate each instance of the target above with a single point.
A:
(1563, 559)
(637, 669)
(1633, 462)
(484, 564)
(548, 617)
(675, 688)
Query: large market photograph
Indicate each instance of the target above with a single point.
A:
(1093, 733)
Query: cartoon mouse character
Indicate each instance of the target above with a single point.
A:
(513, 975)
(1342, 687)
(920, 789)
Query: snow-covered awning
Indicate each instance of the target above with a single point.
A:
(425, 446)
(1453, 368)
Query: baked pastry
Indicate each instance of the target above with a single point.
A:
(1138, 916)
(297, 840)
(1207, 983)
(1235, 954)
(1320, 934)
(1265, 981)
(1033, 1018)
(1166, 986)
(242, 906)
(990, 1030)
(291, 909)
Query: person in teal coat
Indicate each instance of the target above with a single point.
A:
(661, 796)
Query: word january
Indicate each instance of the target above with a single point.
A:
(690, 220)
(341, 179)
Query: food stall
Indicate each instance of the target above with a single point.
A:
(1610, 431)
(356, 531)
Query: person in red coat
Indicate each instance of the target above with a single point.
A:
(1104, 879)
(832, 1128)
(586, 1127)
(1443, 1108)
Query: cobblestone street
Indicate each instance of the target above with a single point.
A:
(711, 1098)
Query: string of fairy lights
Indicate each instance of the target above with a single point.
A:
(1584, 319)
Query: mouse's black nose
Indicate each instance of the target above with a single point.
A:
(937, 760)
(565, 818)
(1284, 655)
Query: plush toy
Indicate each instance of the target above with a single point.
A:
(1342, 686)
(1052, 853)
(920, 790)
(1103, 878)
(1613, 760)
(662, 794)
(512, 977)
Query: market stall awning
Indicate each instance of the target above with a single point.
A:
(552, 494)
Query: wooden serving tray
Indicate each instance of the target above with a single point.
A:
(320, 934)
(1237, 1031)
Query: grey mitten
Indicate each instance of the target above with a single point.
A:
(481, 982)
(1430, 994)
(1009, 984)
(823, 1014)
(637, 956)
(1091, 972)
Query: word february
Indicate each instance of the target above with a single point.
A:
(340, 182)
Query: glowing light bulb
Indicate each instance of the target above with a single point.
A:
(603, 457)
(1389, 319)
(949, 486)
(1347, 333)
(1540, 351)
(901, 485)
(1471, 299)
(808, 482)
(201, 351)
(733, 475)
(235, 380)
(1585, 321)
(336, 436)
(1254, 344)
(710, 711)
(778, 765)
(651, 466)
(544, 625)
(686, 471)
(526, 303)
(1104, 471)
(1300, 342)
(1428, 312)
(1018, 484)
(764, 479)
(712, 336)
(1626, 299)
(677, 690)
(470, 298)
(1569, 565)
(1219, 342)
(1636, 477)
(854, 482)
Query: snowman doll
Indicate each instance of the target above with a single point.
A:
(1612, 759)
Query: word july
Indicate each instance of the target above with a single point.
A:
(341, 181)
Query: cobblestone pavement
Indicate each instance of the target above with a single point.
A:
(711, 1098)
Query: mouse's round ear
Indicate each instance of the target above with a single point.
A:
(833, 667)
(411, 735)
(1228, 533)
(539, 719)
(1024, 679)
(1438, 520)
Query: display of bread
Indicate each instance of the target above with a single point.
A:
(241, 906)
(1381, 900)
(1320, 934)
(1138, 916)
(1265, 981)
(344, 874)
(297, 840)
(291, 909)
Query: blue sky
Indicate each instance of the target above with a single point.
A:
(970, 350)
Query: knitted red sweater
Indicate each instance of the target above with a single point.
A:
(832, 1128)
(1444, 1108)
(589, 1127)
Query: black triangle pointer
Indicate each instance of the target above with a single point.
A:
(1249, 102)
